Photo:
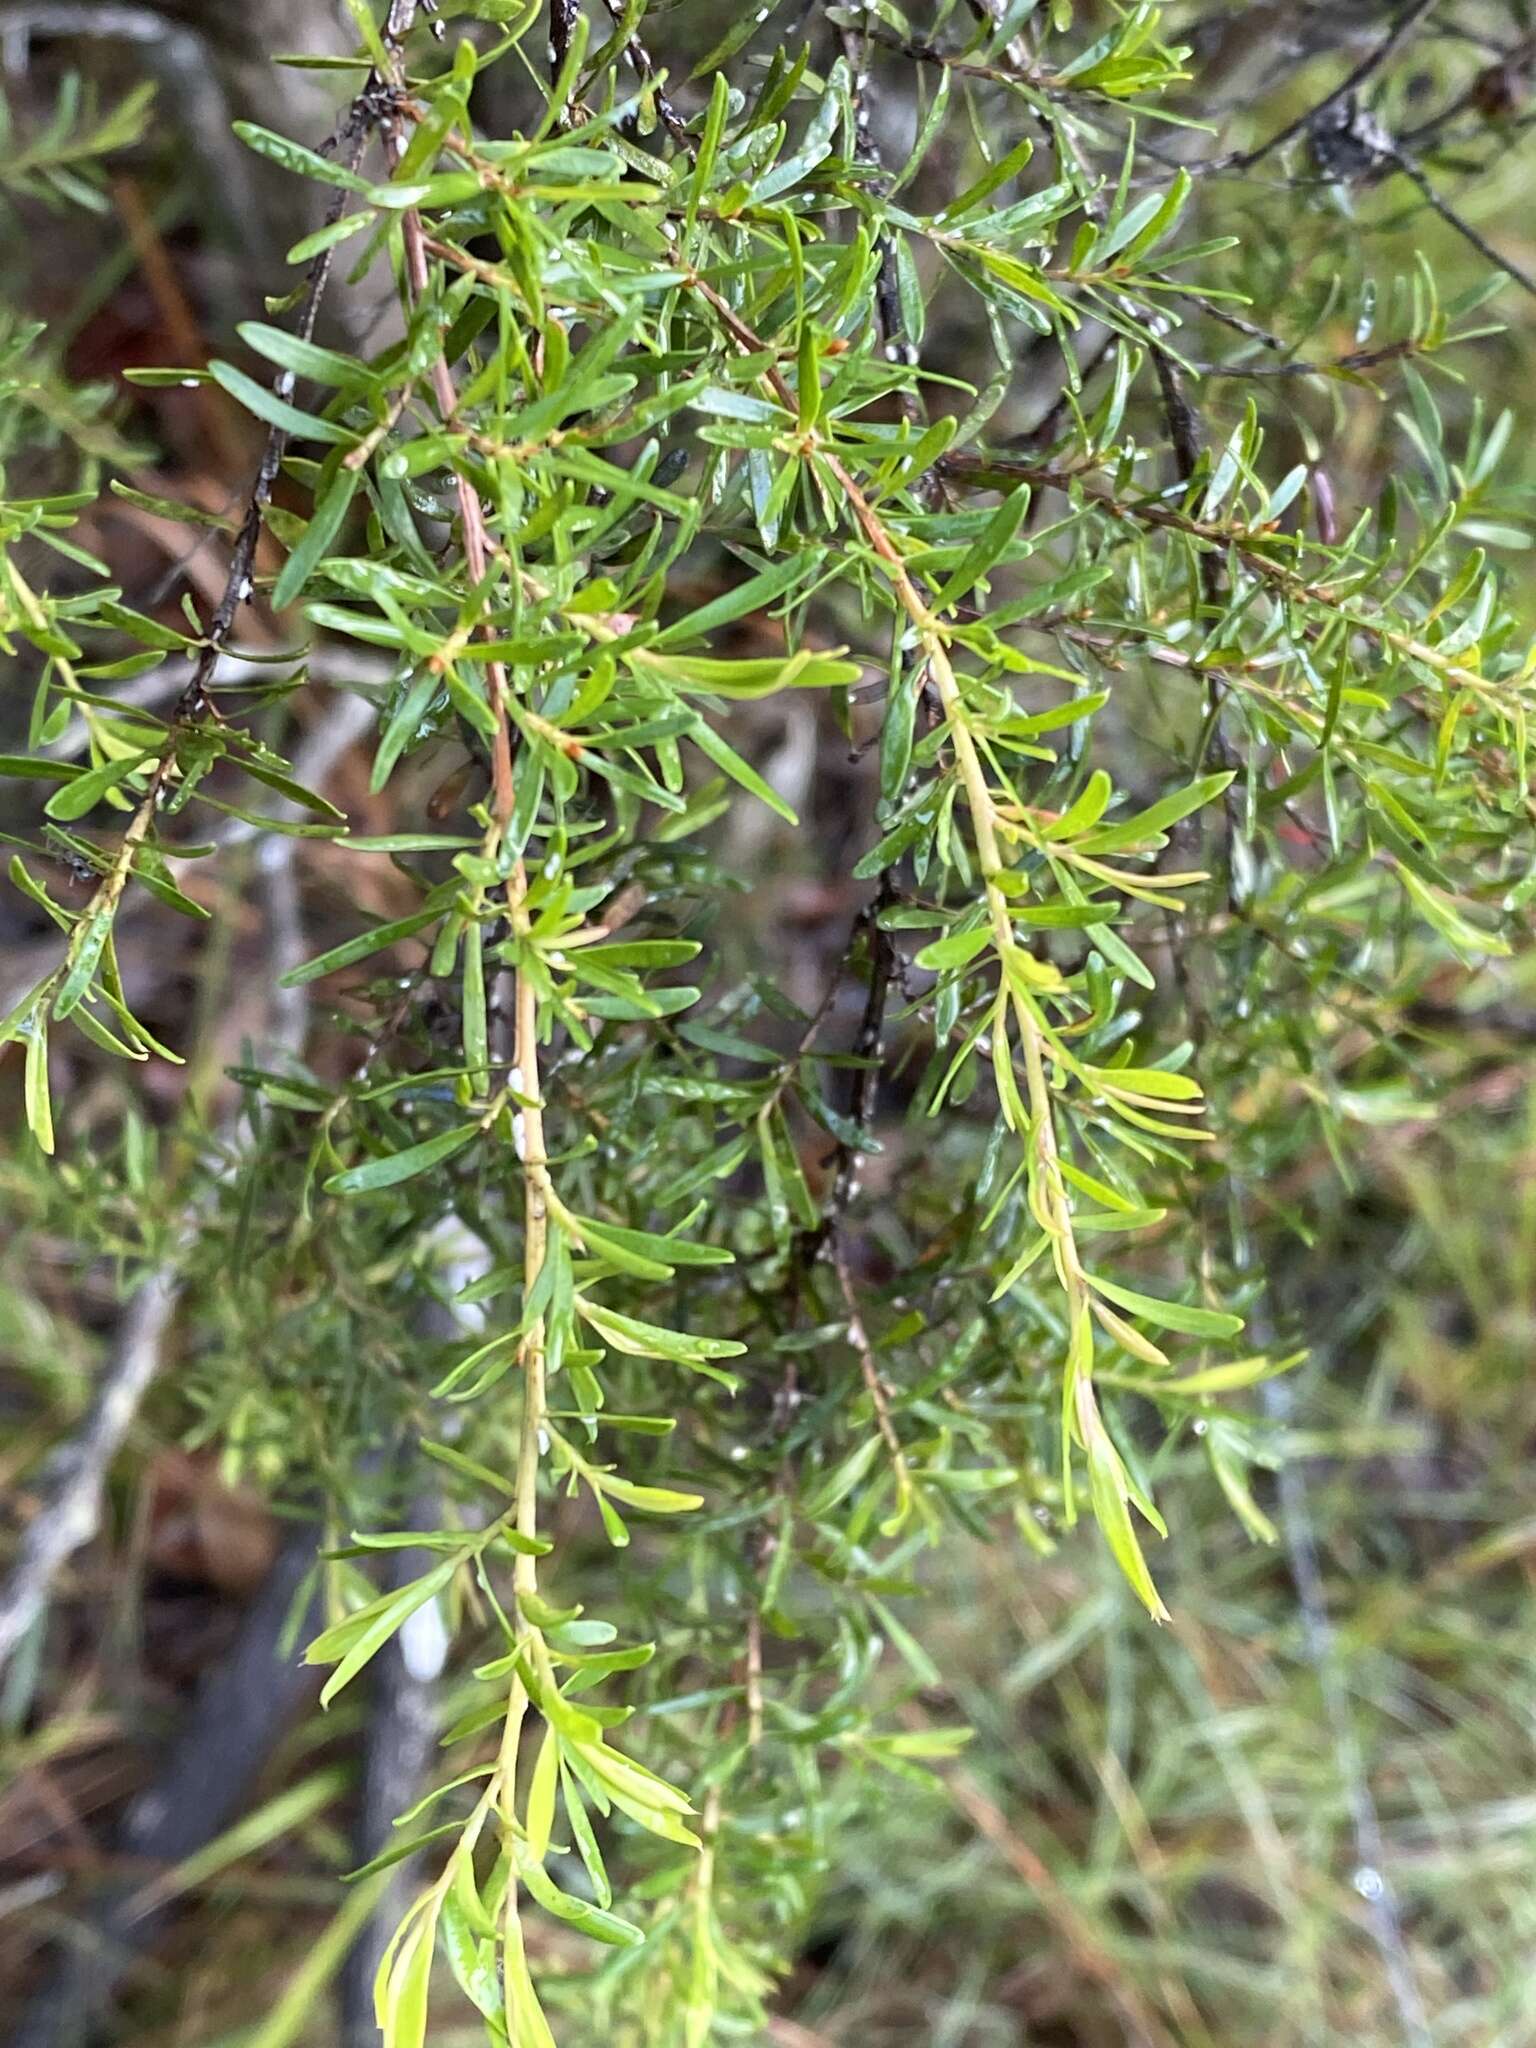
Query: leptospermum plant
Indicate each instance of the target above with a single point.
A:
(1177, 766)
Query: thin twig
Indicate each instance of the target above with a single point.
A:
(893, 334)
(1463, 227)
(869, 1368)
(562, 28)
(354, 132)
(326, 664)
(649, 73)
(868, 1049)
(1370, 63)
(1152, 511)
(1018, 71)
(239, 583)
(471, 514)
(991, 14)
(401, 1730)
(1356, 360)
(68, 1512)
(195, 706)
(1509, 62)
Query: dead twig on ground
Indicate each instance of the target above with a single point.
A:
(69, 1493)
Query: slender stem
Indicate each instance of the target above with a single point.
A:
(530, 1125)
(1253, 546)
(1512, 270)
(476, 553)
(874, 1382)
(1056, 1210)
(536, 1191)
(1371, 62)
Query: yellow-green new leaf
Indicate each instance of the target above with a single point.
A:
(1109, 1491)
(1169, 1315)
(362, 1635)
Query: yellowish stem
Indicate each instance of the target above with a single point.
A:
(531, 1148)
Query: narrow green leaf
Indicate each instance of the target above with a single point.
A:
(352, 950)
(277, 412)
(752, 596)
(394, 1167)
(83, 792)
(1147, 825)
(956, 949)
(324, 525)
(1169, 1315)
(39, 1106)
(362, 1635)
